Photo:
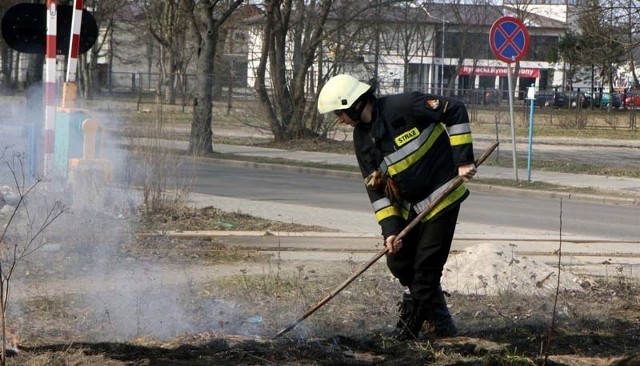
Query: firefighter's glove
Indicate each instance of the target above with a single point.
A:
(380, 182)
(374, 180)
(391, 192)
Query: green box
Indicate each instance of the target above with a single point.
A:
(68, 141)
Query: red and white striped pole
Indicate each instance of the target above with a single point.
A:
(70, 89)
(50, 87)
(74, 42)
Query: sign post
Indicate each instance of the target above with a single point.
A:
(509, 41)
(531, 95)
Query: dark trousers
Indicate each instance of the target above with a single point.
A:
(425, 249)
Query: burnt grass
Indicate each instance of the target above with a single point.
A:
(597, 326)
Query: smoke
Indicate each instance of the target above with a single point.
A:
(83, 265)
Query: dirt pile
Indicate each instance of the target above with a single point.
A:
(492, 269)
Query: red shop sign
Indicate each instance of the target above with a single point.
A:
(497, 71)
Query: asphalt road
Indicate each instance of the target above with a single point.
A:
(517, 213)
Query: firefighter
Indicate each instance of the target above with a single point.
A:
(408, 147)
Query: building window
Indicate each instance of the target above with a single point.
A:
(541, 48)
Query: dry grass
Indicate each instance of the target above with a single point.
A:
(224, 306)
(210, 218)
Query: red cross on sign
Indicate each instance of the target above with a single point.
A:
(509, 39)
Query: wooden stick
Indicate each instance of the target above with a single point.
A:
(452, 185)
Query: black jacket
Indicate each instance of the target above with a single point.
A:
(418, 140)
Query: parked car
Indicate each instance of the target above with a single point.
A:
(551, 99)
(632, 99)
(612, 99)
(543, 99)
(604, 100)
(578, 99)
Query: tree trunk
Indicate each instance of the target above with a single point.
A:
(16, 71)
(5, 54)
(169, 77)
(34, 69)
(200, 141)
(260, 85)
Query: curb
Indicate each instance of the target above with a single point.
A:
(564, 141)
(204, 234)
(488, 188)
(473, 186)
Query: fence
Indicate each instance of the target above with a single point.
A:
(133, 90)
(241, 87)
(150, 85)
(570, 109)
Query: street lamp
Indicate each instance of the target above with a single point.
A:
(441, 48)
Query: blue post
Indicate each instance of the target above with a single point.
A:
(532, 99)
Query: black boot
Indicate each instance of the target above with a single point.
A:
(410, 319)
(439, 317)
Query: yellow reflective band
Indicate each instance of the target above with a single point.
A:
(460, 139)
(387, 212)
(405, 213)
(407, 136)
(418, 154)
(451, 198)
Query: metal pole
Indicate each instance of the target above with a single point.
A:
(513, 129)
(70, 88)
(530, 139)
(74, 41)
(50, 88)
(441, 51)
(442, 61)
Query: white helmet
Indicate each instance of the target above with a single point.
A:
(340, 92)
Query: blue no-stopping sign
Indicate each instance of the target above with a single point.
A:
(509, 39)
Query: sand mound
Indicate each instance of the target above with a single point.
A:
(491, 269)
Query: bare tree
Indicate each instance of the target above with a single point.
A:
(599, 43)
(168, 23)
(305, 43)
(630, 22)
(615, 34)
(208, 18)
(21, 228)
(405, 36)
(292, 33)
